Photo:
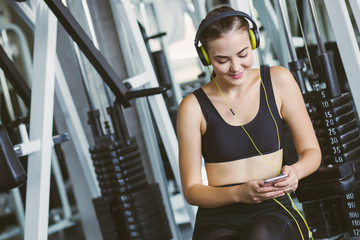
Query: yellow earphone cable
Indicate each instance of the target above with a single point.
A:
(278, 136)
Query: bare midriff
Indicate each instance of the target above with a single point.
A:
(244, 170)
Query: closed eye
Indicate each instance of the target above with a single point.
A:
(243, 56)
(221, 59)
(222, 62)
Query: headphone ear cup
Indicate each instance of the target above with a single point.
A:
(254, 38)
(204, 58)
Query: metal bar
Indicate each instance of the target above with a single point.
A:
(25, 11)
(87, 47)
(326, 63)
(41, 125)
(74, 125)
(297, 71)
(314, 18)
(355, 7)
(13, 75)
(55, 166)
(6, 94)
(91, 28)
(347, 44)
(24, 48)
(287, 33)
(175, 85)
(83, 77)
(269, 19)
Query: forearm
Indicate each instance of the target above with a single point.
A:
(208, 196)
(309, 161)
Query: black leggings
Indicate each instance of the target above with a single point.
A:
(269, 225)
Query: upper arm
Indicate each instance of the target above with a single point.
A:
(293, 109)
(189, 139)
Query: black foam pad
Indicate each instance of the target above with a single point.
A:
(12, 173)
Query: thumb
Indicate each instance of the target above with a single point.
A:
(285, 170)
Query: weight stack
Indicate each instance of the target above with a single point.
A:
(336, 128)
(129, 208)
(351, 206)
(325, 218)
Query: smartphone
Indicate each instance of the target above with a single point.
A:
(271, 181)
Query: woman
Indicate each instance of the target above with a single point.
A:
(235, 123)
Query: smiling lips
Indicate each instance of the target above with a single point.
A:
(237, 76)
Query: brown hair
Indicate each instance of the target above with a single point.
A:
(223, 26)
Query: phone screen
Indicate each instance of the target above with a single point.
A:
(273, 180)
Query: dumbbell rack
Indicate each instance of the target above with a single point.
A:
(330, 197)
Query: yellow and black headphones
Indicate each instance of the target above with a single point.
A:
(254, 34)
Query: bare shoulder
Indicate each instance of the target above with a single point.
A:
(281, 75)
(189, 109)
(189, 103)
(190, 118)
(283, 80)
(288, 90)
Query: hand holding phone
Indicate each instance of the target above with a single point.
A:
(271, 181)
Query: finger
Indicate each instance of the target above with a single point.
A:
(274, 194)
(285, 170)
(266, 188)
(282, 183)
(290, 189)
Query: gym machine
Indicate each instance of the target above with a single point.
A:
(129, 94)
(81, 172)
(330, 196)
(116, 157)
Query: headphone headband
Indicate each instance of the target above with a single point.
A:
(254, 35)
(219, 16)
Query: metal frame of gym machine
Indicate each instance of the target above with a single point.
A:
(82, 171)
(36, 225)
(68, 218)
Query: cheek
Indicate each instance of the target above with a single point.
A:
(220, 68)
(250, 59)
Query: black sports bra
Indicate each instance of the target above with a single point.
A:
(223, 142)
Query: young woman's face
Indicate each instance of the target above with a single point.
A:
(231, 57)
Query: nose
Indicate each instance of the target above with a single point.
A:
(235, 65)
